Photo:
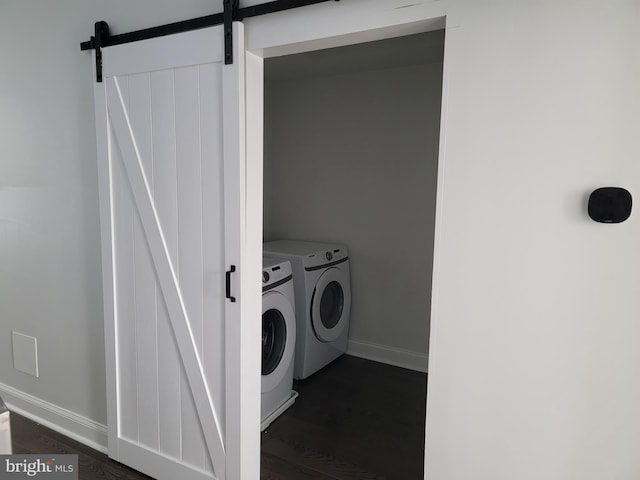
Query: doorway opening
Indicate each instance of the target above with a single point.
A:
(351, 139)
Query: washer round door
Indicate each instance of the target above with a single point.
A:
(330, 305)
(278, 338)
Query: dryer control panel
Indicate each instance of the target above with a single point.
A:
(326, 258)
(314, 255)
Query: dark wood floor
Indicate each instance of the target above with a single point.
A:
(30, 437)
(355, 419)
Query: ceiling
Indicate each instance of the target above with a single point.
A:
(419, 49)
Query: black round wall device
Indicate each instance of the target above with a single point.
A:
(610, 205)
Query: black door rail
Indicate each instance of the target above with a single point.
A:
(231, 13)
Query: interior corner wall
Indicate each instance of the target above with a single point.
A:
(352, 159)
(50, 267)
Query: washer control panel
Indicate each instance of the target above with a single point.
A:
(274, 271)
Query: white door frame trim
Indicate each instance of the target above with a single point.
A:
(257, 52)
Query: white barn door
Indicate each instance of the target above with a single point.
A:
(170, 132)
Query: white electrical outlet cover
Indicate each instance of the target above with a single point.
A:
(25, 353)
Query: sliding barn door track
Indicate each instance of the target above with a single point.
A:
(232, 12)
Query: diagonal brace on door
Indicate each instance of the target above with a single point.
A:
(166, 275)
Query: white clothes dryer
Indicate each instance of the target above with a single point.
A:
(278, 339)
(321, 280)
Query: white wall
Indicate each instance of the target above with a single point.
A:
(534, 334)
(534, 353)
(50, 278)
(352, 159)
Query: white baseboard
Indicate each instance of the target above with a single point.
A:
(392, 356)
(66, 422)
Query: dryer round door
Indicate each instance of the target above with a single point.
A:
(278, 338)
(331, 304)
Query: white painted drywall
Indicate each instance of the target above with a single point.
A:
(352, 159)
(533, 355)
(534, 347)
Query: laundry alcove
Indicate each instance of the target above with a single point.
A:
(350, 157)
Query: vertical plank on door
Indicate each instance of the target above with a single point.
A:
(189, 241)
(123, 233)
(165, 200)
(145, 282)
(212, 235)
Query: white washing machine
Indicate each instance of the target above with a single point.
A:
(323, 300)
(278, 339)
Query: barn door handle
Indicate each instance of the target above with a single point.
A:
(228, 283)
